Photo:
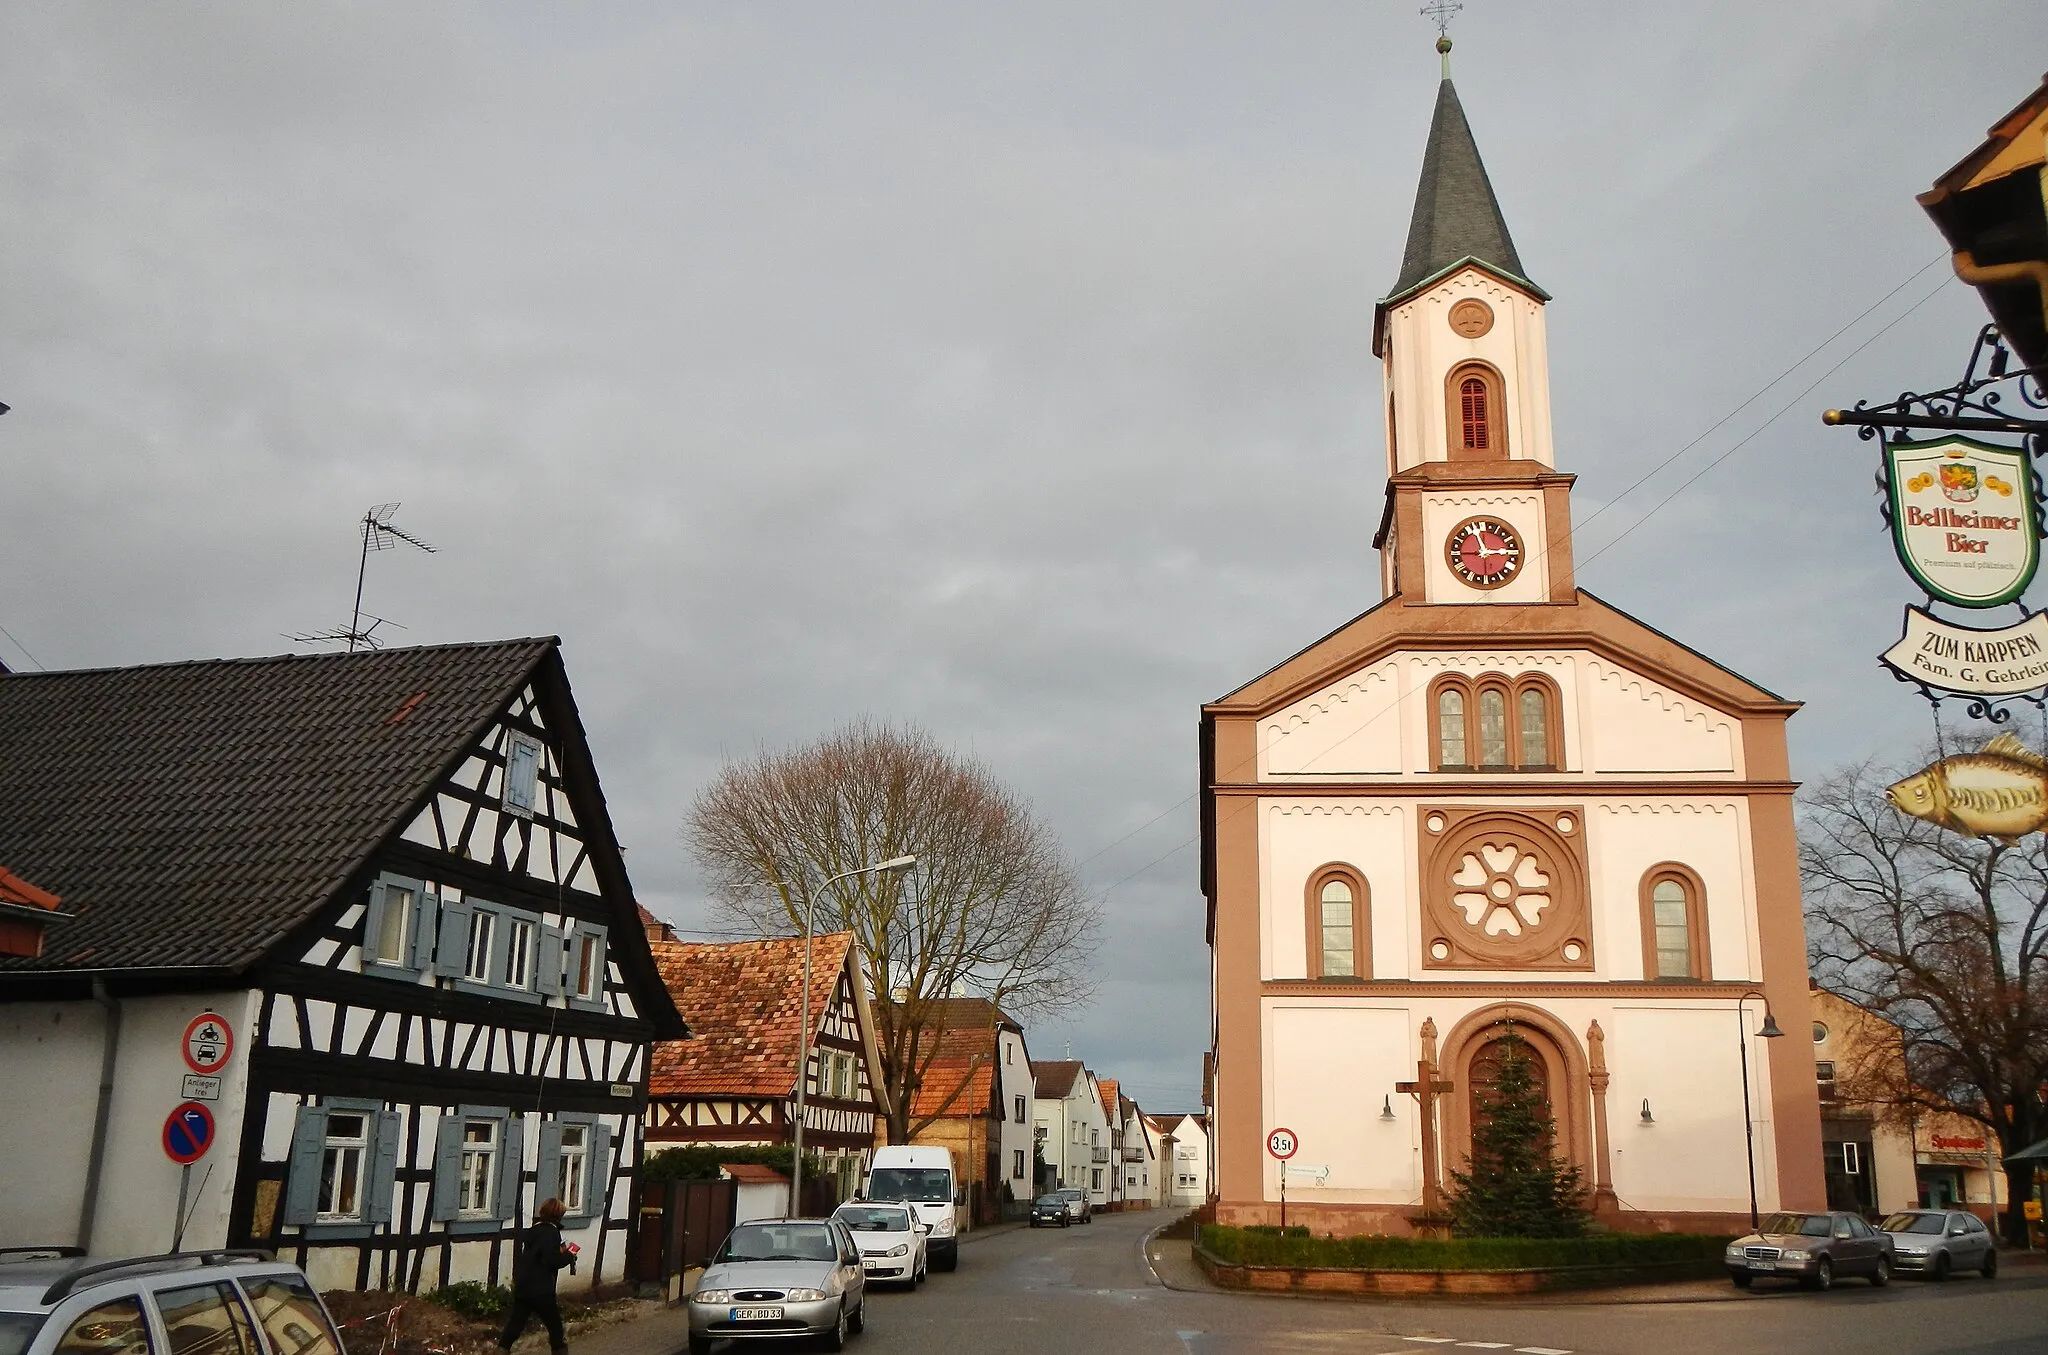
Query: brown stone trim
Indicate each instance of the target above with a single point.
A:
(1697, 948)
(1448, 834)
(1496, 448)
(1361, 920)
(1237, 1129)
(1781, 938)
(1616, 989)
(1557, 541)
(1564, 1062)
(1508, 781)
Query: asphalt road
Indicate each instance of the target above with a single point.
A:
(1088, 1289)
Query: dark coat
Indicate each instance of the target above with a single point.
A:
(540, 1257)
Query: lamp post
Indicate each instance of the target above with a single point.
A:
(1768, 1031)
(803, 1025)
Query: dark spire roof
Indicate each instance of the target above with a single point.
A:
(1456, 216)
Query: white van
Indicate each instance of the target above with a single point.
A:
(924, 1179)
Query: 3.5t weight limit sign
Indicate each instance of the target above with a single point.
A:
(1282, 1144)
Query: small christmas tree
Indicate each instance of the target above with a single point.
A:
(1515, 1187)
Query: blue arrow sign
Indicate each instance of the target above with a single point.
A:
(188, 1133)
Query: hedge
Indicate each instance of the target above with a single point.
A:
(1261, 1247)
(700, 1162)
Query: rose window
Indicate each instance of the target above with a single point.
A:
(1501, 889)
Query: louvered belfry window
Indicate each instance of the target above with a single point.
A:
(1472, 405)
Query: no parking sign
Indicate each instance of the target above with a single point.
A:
(188, 1133)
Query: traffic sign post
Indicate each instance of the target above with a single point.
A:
(188, 1133)
(208, 1044)
(1283, 1144)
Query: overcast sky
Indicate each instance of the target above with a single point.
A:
(1003, 368)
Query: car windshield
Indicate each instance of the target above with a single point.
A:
(1913, 1223)
(1071, 1193)
(1806, 1225)
(867, 1219)
(779, 1242)
(1052, 1199)
(910, 1183)
(17, 1330)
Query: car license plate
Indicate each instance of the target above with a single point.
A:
(1763, 1265)
(756, 1314)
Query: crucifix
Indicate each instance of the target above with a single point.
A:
(1426, 1088)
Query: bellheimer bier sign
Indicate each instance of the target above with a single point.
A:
(1963, 519)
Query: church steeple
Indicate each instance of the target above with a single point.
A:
(1457, 218)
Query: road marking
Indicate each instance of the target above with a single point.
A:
(1539, 1350)
(1485, 1345)
(1430, 1340)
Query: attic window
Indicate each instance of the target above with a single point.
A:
(522, 775)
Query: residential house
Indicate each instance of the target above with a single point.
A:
(974, 1096)
(352, 930)
(1113, 1174)
(1184, 1159)
(1068, 1107)
(1137, 1163)
(735, 1080)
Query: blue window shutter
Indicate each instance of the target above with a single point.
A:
(547, 962)
(547, 1162)
(447, 1165)
(302, 1169)
(425, 906)
(597, 995)
(383, 1167)
(511, 1166)
(597, 1185)
(454, 930)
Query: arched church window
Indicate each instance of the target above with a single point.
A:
(1450, 727)
(1339, 925)
(1493, 727)
(1674, 924)
(1535, 728)
(1472, 413)
(1472, 395)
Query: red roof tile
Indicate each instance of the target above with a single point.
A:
(753, 1174)
(14, 889)
(955, 1085)
(1107, 1086)
(741, 1000)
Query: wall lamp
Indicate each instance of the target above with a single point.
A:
(1648, 1118)
(1387, 1108)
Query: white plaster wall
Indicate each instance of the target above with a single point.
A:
(1635, 724)
(51, 1053)
(1013, 1070)
(1352, 727)
(1422, 348)
(1685, 1058)
(1329, 1067)
(1624, 838)
(1520, 509)
(1298, 836)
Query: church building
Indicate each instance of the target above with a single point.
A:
(1495, 803)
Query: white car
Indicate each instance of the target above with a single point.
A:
(891, 1238)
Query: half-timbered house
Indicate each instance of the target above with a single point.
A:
(366, 911)
(734, 1081)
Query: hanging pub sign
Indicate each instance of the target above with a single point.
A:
(2008, 662)
(1963, 519)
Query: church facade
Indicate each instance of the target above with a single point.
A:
(1495, 803)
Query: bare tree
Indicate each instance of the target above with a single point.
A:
(1945, 937)
(992, 910)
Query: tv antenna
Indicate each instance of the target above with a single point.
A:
(378, 534)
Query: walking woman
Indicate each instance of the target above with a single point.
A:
(533, 1279)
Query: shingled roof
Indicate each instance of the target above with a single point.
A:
(192, 814)
(742, 1002)
(1456, 215)
(1054, 1078)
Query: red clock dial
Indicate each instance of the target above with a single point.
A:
(1483, 552)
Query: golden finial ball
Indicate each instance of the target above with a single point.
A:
(1443, 45)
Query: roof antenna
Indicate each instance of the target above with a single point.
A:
(378, 534)
(1441, 12)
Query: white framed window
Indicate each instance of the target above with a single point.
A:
(522, 775)
(518, 953)
(477, 1180)
(1017, 1163)
(392, 941)
(842, 1077)
(1020, 1108)
(572, 1171)
(398, 927)
(476, 964)
(344, 1162)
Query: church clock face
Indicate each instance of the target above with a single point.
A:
(1484, 552)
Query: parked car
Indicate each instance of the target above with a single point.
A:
(1811, 1248)
(780, 1278)
(1938, 1242)
(1078, 1208)
(1051, 1211)
(922, 1177)
(56, 1298)
(891, 1240)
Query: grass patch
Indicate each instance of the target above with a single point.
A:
(1264, 1246)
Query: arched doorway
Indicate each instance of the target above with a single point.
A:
(1471, 1051)
(1484, 1066)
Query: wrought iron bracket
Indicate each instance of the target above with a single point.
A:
(1975, 404)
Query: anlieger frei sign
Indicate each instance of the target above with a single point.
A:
(1963, 519)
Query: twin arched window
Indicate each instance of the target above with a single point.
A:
(1339, 925)
(1478, 432)
(1674, 923)
(1492, 724)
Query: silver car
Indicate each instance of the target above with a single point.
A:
(53, 1301)
(777, 1278)
(1938, 1242)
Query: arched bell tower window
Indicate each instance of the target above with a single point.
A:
(1339, 925)
(1494, 723)
(1478, 432)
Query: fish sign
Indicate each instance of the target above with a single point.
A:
(2000, 791)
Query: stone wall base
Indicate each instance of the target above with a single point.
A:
(1388, 1220)
(1404, 1283)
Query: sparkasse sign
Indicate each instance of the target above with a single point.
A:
(1963, 519)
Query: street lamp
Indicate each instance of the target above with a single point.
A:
(1768, 1031)
(803, 1025)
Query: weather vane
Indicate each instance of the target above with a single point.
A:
(1441, 12)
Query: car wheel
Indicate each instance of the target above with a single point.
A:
(952, 1262)
(1942, 1266)
(836, 1338)
(1989, 1270)
(1882, 1275)
(1740, 1278)
(1823, 1275)
(859, 1321)
(700, 1345)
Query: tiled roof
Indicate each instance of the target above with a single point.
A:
(1456, 214)
(1054, 1078)
(15, 890)
(742, 1000)
(1106, 1088)
(967, 1079)
(192, 814)
(753, 1173)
